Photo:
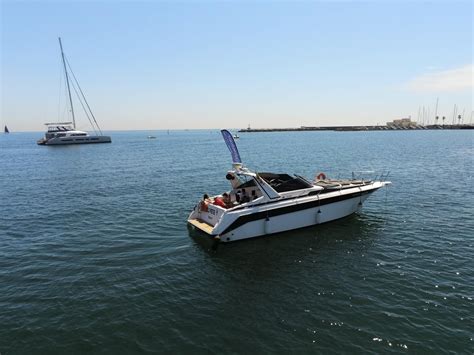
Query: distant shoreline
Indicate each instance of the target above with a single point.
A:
(359, 128)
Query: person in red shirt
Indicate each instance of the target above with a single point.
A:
(223, 201)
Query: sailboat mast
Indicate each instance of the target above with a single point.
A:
(67, 82)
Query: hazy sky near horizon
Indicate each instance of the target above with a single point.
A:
(215, 64)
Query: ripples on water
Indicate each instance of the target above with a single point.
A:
(95, 254)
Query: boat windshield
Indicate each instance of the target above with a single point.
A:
(244, 181)
(59, 128)
(285, 182)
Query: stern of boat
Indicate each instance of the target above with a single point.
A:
(205, 218)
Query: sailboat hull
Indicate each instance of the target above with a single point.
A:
(75, 140)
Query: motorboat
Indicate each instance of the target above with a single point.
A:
(263, 203)
(63, 133)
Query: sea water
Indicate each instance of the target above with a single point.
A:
(96, 255)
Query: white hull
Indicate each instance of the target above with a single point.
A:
(295, 220)
(281, 216)
(75, 140)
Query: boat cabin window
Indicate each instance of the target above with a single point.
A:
(59, 128)
(78, 134)
(244, 188)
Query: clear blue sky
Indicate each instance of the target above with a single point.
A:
(165, 65)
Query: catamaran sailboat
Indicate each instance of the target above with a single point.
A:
(61, 133)
(265, 203)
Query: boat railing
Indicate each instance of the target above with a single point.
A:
(363, 175)
(384, 176)
(369, 175)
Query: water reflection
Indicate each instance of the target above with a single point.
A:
(355, 232)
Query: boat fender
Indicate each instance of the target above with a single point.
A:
(321, 176)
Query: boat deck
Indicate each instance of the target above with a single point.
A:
(206, 228)
(331, 184)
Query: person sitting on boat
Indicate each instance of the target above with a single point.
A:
(244, 198)
(227, 201)
(204, 202)
(223, 201)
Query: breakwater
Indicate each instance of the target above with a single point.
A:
(360, 128)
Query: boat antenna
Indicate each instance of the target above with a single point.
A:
(67, 82)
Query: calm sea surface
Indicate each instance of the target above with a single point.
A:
(96, 256)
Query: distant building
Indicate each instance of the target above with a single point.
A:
(402, 123)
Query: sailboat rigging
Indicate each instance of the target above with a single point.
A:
(62, 133)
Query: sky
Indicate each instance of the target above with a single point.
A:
(230, 64)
